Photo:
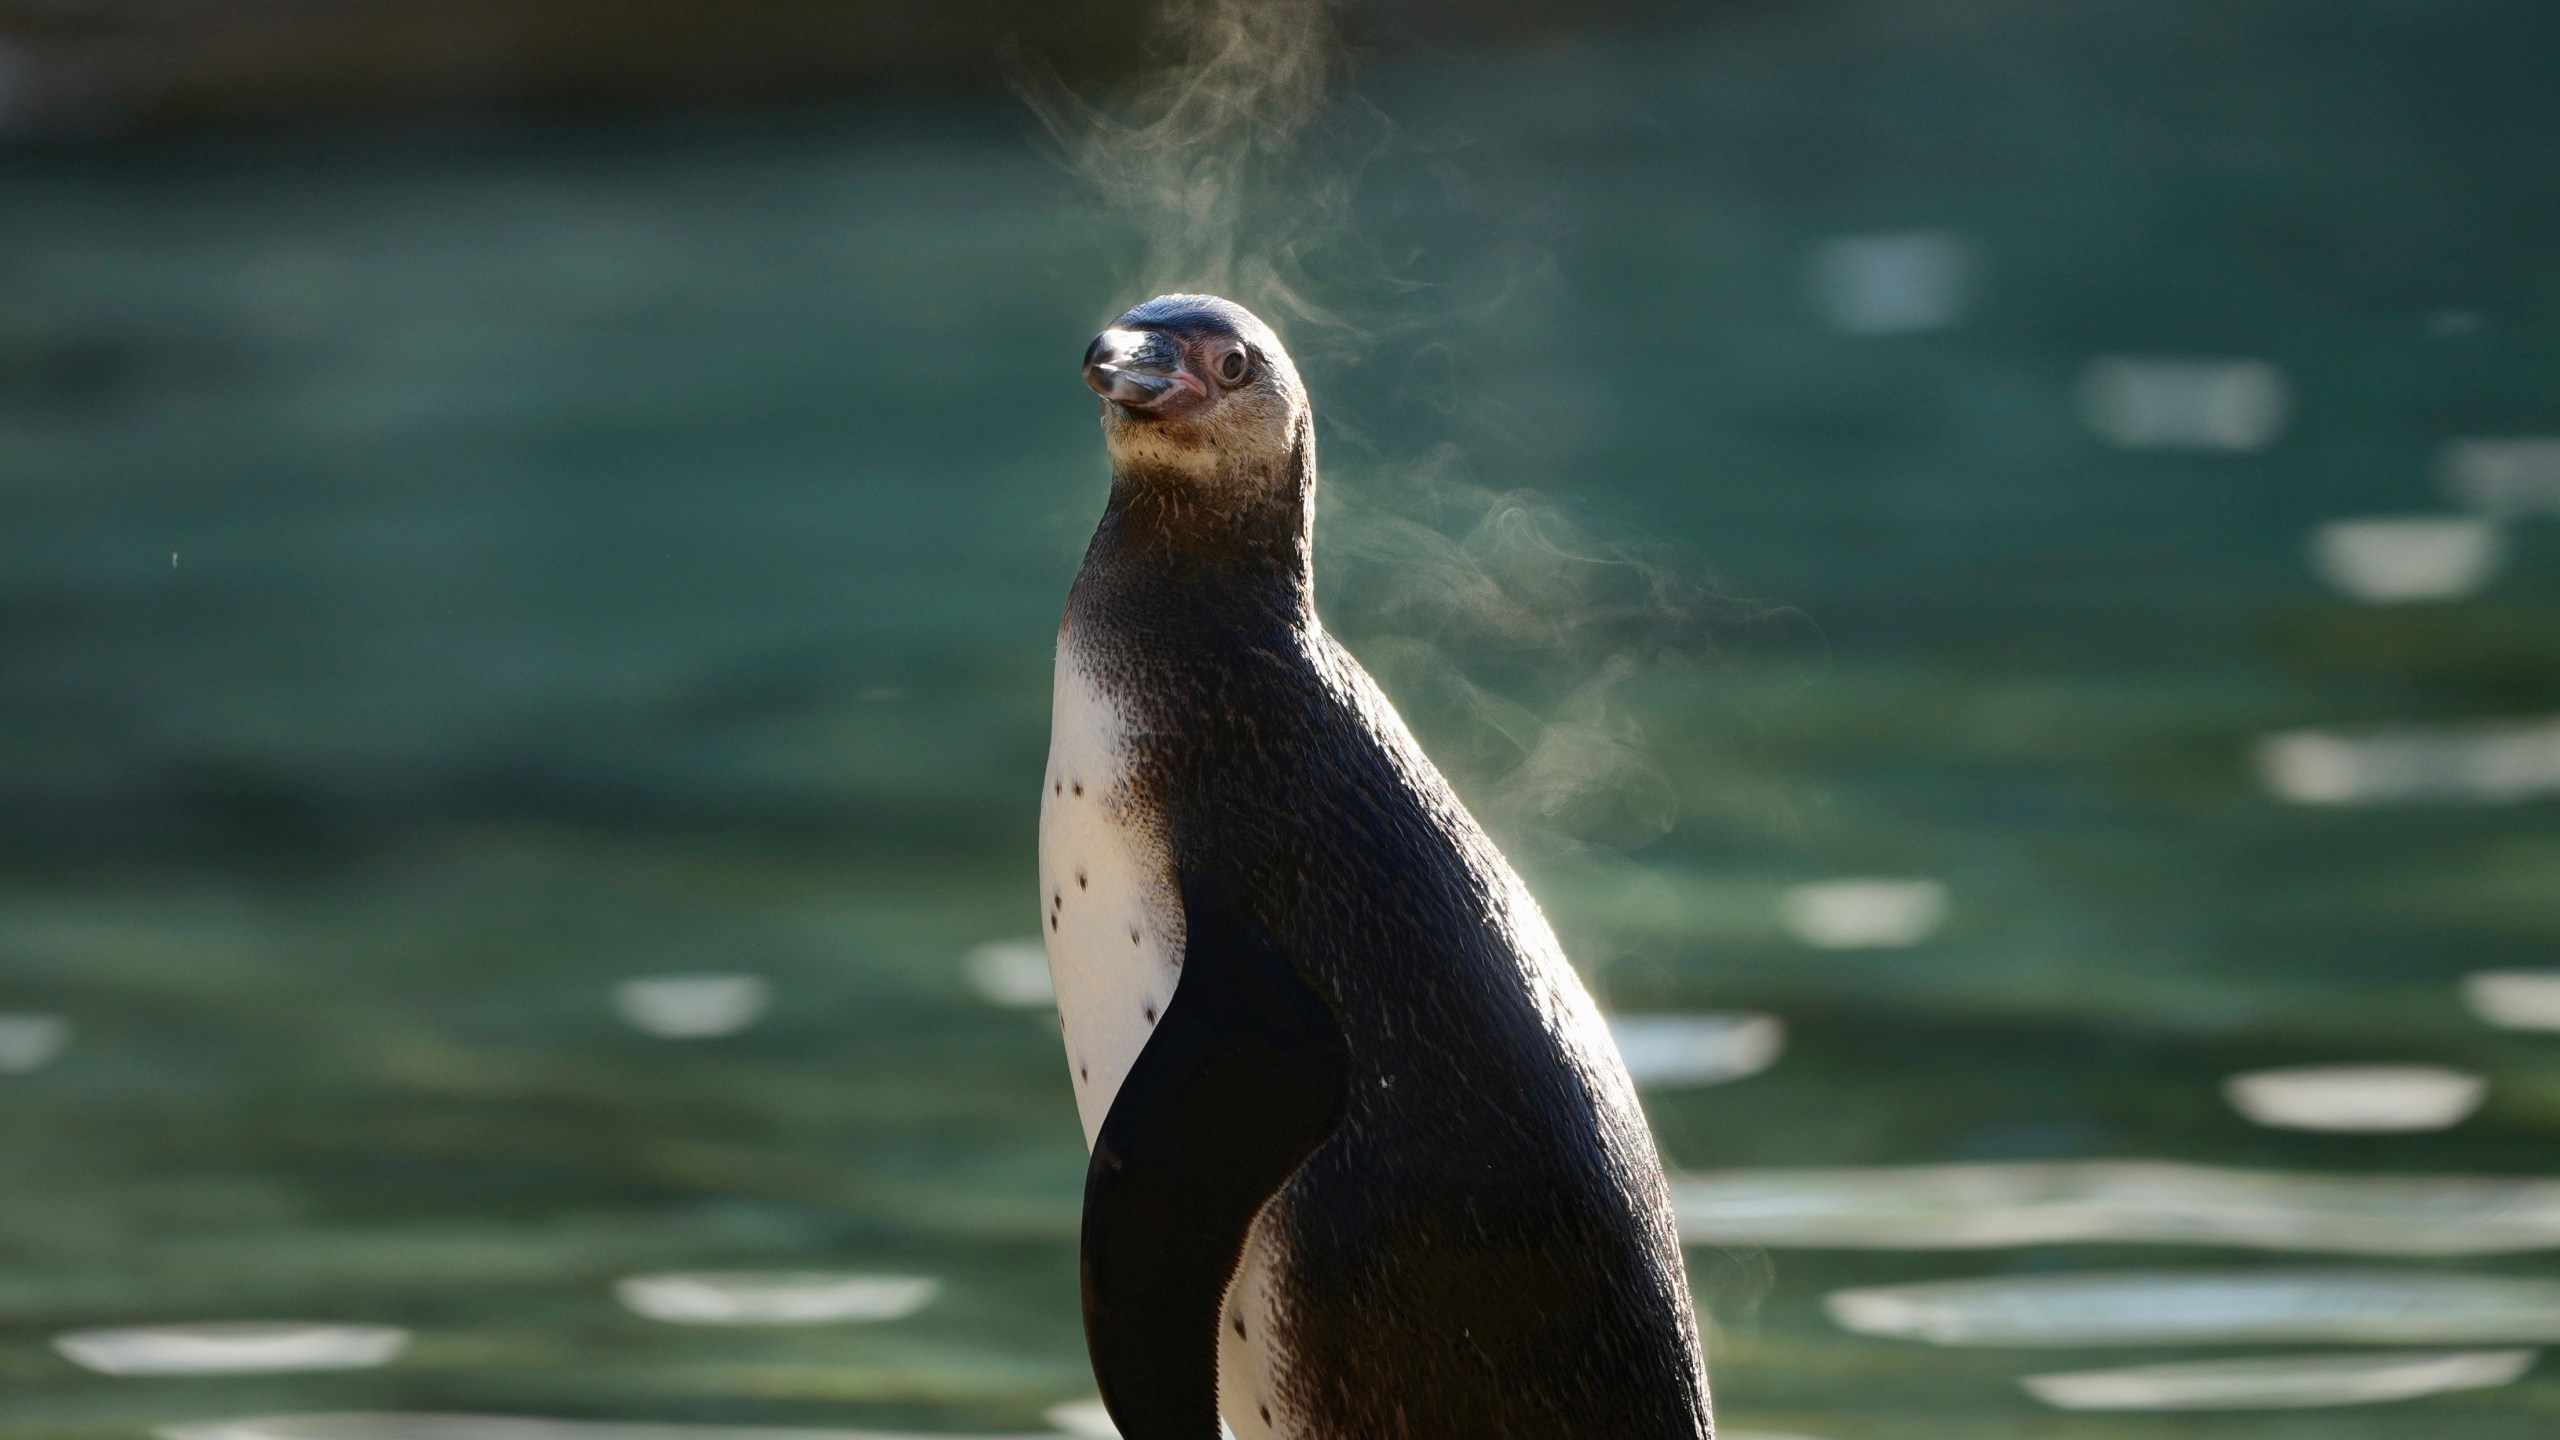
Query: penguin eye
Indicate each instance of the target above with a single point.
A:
(1233, 365)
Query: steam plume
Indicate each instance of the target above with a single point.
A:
(1203, 161)
(1511, 637)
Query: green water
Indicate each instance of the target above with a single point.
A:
(444, 574)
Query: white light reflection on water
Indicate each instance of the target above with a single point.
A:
(2515, 475)
(2375, 1099)
(779, 1297)
(1012, 973)
(1087, 1420)
(1863, 914)
(1964, 1207)
(2389, 560)
(232, 1347)
(399, 1425)
(1896, 284)
(1671, 1051)
(2139, 403)
(2493, 763)
(2280, 1382)
(2195, 1307)
(30, 1042)
(2515, 999)
(692, 1007)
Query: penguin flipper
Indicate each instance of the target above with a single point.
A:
(1241, 1081)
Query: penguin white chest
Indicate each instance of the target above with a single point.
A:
(1111, 915)
(1108, 907)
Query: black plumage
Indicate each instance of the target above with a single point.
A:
(1477, 1242)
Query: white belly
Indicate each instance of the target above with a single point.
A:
(1112, 919)
(1108, 908)
(1249, 1364)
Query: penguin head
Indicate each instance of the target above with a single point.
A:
(1199, 387)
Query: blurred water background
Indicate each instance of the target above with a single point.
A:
(1991, 562)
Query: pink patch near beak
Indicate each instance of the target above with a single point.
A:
(1145, 371)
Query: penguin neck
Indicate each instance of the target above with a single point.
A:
(1239, 547)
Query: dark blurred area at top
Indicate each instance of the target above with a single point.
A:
(76, 70)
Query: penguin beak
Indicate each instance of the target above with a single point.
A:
(1140, 370)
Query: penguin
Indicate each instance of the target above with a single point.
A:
(1365, 1163)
